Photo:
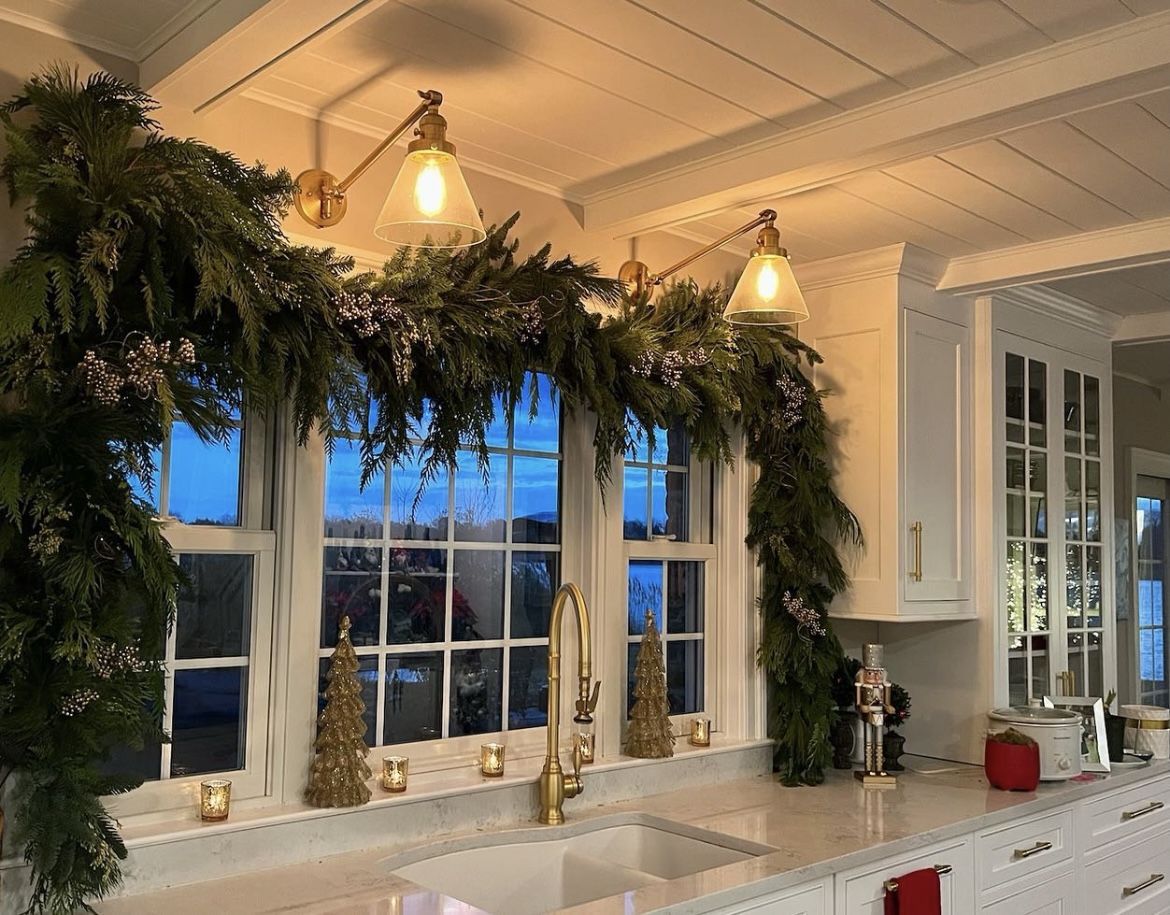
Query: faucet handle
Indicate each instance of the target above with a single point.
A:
(585, 707)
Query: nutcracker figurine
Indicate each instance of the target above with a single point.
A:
(872, 692)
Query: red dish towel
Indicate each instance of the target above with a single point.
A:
(918, 893)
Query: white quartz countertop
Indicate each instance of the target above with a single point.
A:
(814, 831)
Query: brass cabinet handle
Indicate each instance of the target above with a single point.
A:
(891, 886)
(1021, 853)
(1144, 885)
(916, 575)
(1149, 808)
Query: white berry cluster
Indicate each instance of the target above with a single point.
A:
(143, 371)
(533, 325)
(668, 366)
(365, 314)
(806, 617)
(111, 660)
(77, 702)
(45, 542)
(794, 399)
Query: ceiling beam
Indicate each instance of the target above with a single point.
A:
(221, 52)
(1115, 64)
(1061, 258)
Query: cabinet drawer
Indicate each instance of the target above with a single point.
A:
(1024, 849)
(1132, 877)
(1058, 896)
(860, 891)
(798, 900)
(1124, 813)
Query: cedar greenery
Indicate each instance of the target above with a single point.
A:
(156, 285)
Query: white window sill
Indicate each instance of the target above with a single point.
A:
(423, 788)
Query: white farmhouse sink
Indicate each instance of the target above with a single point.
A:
(531, 871)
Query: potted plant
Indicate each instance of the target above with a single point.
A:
(895, 743)
(1011, 761)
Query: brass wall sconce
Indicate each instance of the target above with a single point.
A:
(429, 204)
(767, 291)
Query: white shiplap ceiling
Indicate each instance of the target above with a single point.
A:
(961, 126)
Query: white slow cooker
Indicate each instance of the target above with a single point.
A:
(1057, 731)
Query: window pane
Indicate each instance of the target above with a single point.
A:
(1096, 661)
(477, 595)
(207, 720)
(669, 504)
(631, 661)
(416, 595)
(536, 500)
(684, 676)
(1040, 682)
(476, 682)
(684, 600)
(1015, 577)
(368, 677)
(1038, 587)
(543, 433)
(1093, 585)
(1014, 397)
(1072, 412)
(414, 697)
(351, 513)
(353, 588)
(635, 504)
(426, 520)
(1072, 498)
(644, 594)
(1038, 403)
(146, 762)
(1074, 608)
(215, 606)
(479, 506)
(1092, 500)
(535, 577)
(528, 687)
(204, 478)
(1092, 420)
(678, 446)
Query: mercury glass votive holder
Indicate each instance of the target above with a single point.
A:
(394, 771)
(588, 743)
(491, 759)
(700, 732)
(215, 799)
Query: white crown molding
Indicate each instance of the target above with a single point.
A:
(1112, 64)
(1138, 379)
(1075, 312)
(354, 126)
(73, 36)
(902, 259)
(1101, 251)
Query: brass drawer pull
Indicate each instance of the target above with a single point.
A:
(1144, 885)
(891, 886)
(1149, 808)
(916, 527)
(1021, 853)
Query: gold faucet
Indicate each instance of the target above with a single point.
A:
(555, 785)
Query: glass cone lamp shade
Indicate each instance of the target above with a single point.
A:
(766, 293)
(430, 204)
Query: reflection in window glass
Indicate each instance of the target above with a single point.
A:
(215, 605)
(656, 486)
(673, 592)
(460, 561)
(207, 719)
(196, 482)
(368, 678)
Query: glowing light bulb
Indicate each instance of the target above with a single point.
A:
(767, 282)
(430, 189)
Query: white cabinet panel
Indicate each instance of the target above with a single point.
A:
(1024, 850)
(798, 900)
(1133, 877)
(1057, 896)
(1121, 814)
(861, 891)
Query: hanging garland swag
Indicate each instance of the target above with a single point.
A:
(156, 284)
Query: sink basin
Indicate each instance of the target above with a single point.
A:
(530, 871)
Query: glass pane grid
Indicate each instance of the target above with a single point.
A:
(673, 592)
(480, 555)
(656, 485)
(196, 482)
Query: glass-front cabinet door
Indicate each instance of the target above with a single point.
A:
(1054, 583)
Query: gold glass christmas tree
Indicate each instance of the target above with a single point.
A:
(339, 773)
(649, 735)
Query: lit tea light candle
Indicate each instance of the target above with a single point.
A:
(394, 770)
(215, 799)
(701, 732)
(491, 759)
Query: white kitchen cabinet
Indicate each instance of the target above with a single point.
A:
(861, 890)
(1053, 473)
(1057, 896)
(806, 899)
(1022, 854)
(898, 383)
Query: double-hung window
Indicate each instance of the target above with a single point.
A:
(448, 583)
(214, 505)
(670, 562)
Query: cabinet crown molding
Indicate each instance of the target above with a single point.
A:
(1049, 303)
(901, 260)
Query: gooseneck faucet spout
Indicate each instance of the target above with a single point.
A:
(555, 785)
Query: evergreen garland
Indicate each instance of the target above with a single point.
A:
(156, 285)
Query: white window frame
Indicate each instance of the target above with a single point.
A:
(166, 794)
